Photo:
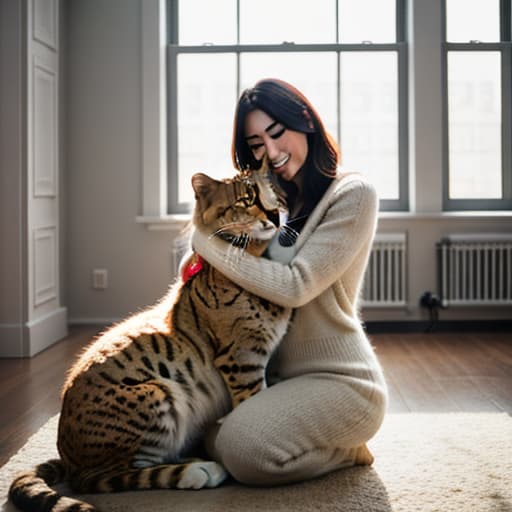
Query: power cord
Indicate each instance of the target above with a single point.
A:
(433, 303)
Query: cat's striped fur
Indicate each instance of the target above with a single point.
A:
(145, 390)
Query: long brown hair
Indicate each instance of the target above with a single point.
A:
(286, 104)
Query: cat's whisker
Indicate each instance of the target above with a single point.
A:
(219, 231)
(289, 230)
(293, 219)
(233, 254)
(288, 234)
(247, 241)
(240, 246)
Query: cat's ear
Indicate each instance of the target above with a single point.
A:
(203, 184)
(204, 187)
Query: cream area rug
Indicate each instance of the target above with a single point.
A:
(423, 462)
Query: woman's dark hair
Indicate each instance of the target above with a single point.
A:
(287, 105)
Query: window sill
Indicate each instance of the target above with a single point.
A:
(479, 214)
(174, 222)
(177, 221)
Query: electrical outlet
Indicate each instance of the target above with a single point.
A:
(100, 278)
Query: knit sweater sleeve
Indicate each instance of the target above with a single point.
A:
(346, 225)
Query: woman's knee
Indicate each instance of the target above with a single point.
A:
(258, 465)
(248, 451)
(262, 466)
(266, 457)
(278, 437)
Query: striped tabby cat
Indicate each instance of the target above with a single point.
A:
(145, 390)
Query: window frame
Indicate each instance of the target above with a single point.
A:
(400, 47)
(505, 49)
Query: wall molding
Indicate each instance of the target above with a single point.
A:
(154, 108)
(45, 264)
(99, 321)
(28, 339)
(45, 26)
(47, 330)
(381, 327)
(44, 129)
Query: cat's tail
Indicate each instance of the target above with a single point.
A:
(30, 491)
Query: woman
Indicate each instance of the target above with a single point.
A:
(332, 395)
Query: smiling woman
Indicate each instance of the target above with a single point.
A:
(286, 149)
(331, 395)
(274, 118)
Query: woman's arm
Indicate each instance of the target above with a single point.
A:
(346, 226)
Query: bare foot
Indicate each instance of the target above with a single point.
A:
(364, 456)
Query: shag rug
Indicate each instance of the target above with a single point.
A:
(423, 462)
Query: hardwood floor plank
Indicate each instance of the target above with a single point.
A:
(497, 390)
(419, 391)
(30, 389)
(468, 395)
(396, 403)
(475, 357)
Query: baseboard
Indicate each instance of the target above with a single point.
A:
(95, 321)
(45, 331)
(27, 340)
(376, 327)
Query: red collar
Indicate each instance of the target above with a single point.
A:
(193, 266)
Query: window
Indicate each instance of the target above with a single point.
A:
(347, 56)
(478, 102)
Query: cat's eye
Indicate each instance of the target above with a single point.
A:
(249, 198)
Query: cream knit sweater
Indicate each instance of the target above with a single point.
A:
(325, 340)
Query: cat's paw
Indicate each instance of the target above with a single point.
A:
(202, 474)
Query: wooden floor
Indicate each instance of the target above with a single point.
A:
(434, 372)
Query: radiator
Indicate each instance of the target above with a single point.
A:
(385, 278)
(475, 270)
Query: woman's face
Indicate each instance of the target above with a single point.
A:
(286, 149)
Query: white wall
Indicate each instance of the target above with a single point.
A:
(103, 122)
(103, 165)
(12, 295)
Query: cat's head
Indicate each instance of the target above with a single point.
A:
(238, 209)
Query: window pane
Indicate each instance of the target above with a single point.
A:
(272, 22)
(205, 117)
(369, 118)
(474, 128)
(367, 20)
(314, 74)
(205, 21)
(468, 20)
